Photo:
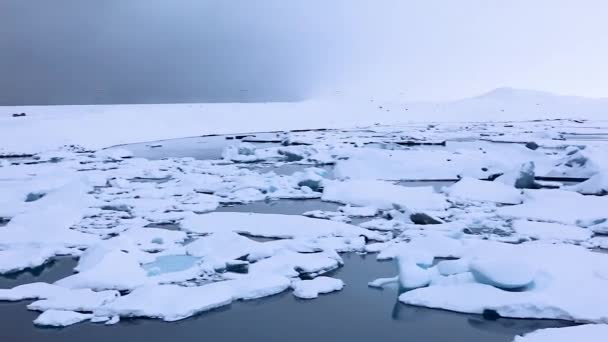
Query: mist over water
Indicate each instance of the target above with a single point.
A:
(153, 51)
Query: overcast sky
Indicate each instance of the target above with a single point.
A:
(136, 51)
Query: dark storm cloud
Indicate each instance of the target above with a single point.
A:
(124, 51)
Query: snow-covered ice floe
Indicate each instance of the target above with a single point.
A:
(532, 280)
(309, 289)
(171, 238)
(587, 333)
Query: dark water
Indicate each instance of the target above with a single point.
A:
(436, 184)
(50, 272)
(357, 313)
(287, 207)
(203, 148)
(290, 169)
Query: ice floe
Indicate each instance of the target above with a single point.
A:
(587, 333)
(383, 195)
(551, 231)
(558, 206)
(470, 189)
(168, 300)
(273, 226)
(596, 185)
(60, 318)
(309, 289)
(548, 273)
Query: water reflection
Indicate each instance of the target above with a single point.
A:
(56, 269)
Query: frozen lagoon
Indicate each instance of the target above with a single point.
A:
(138, 189)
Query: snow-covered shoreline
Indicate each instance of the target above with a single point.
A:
(98, 126)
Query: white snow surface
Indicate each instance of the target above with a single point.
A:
(383, 195)
(560, 269)
(48, 127)
(60, 318)
(551, 231)
(586, 333)
(310, 289)
(558, 206)
(471, 189)
(167, 301)
(272, 226)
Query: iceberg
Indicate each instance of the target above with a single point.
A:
(60, 318)
(310, 289)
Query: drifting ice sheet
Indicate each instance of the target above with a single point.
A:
(272, 226)
(383, 195)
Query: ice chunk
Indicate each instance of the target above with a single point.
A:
(309, 289)
(244, 152)
(328, 215)
(292, 264)
(381, 282)
(311, 177)
(359, 211)
(561, 267)
(430, 245)
(596, 185)
(451, 267)
(586, 333)
(48, 220)
(60, 318)
(598, 226)
(580, 163)
(110, 269)
(412, 276)
(470, 189)
(272, 225)
(557, 206)
(74, 300)
(221, 247)
(169, 302)
(504, 274)
(173, 302)
(383, 195)
(524, 178)
(383, 224)
(551, 231)
(32, 291)
(20, 258)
